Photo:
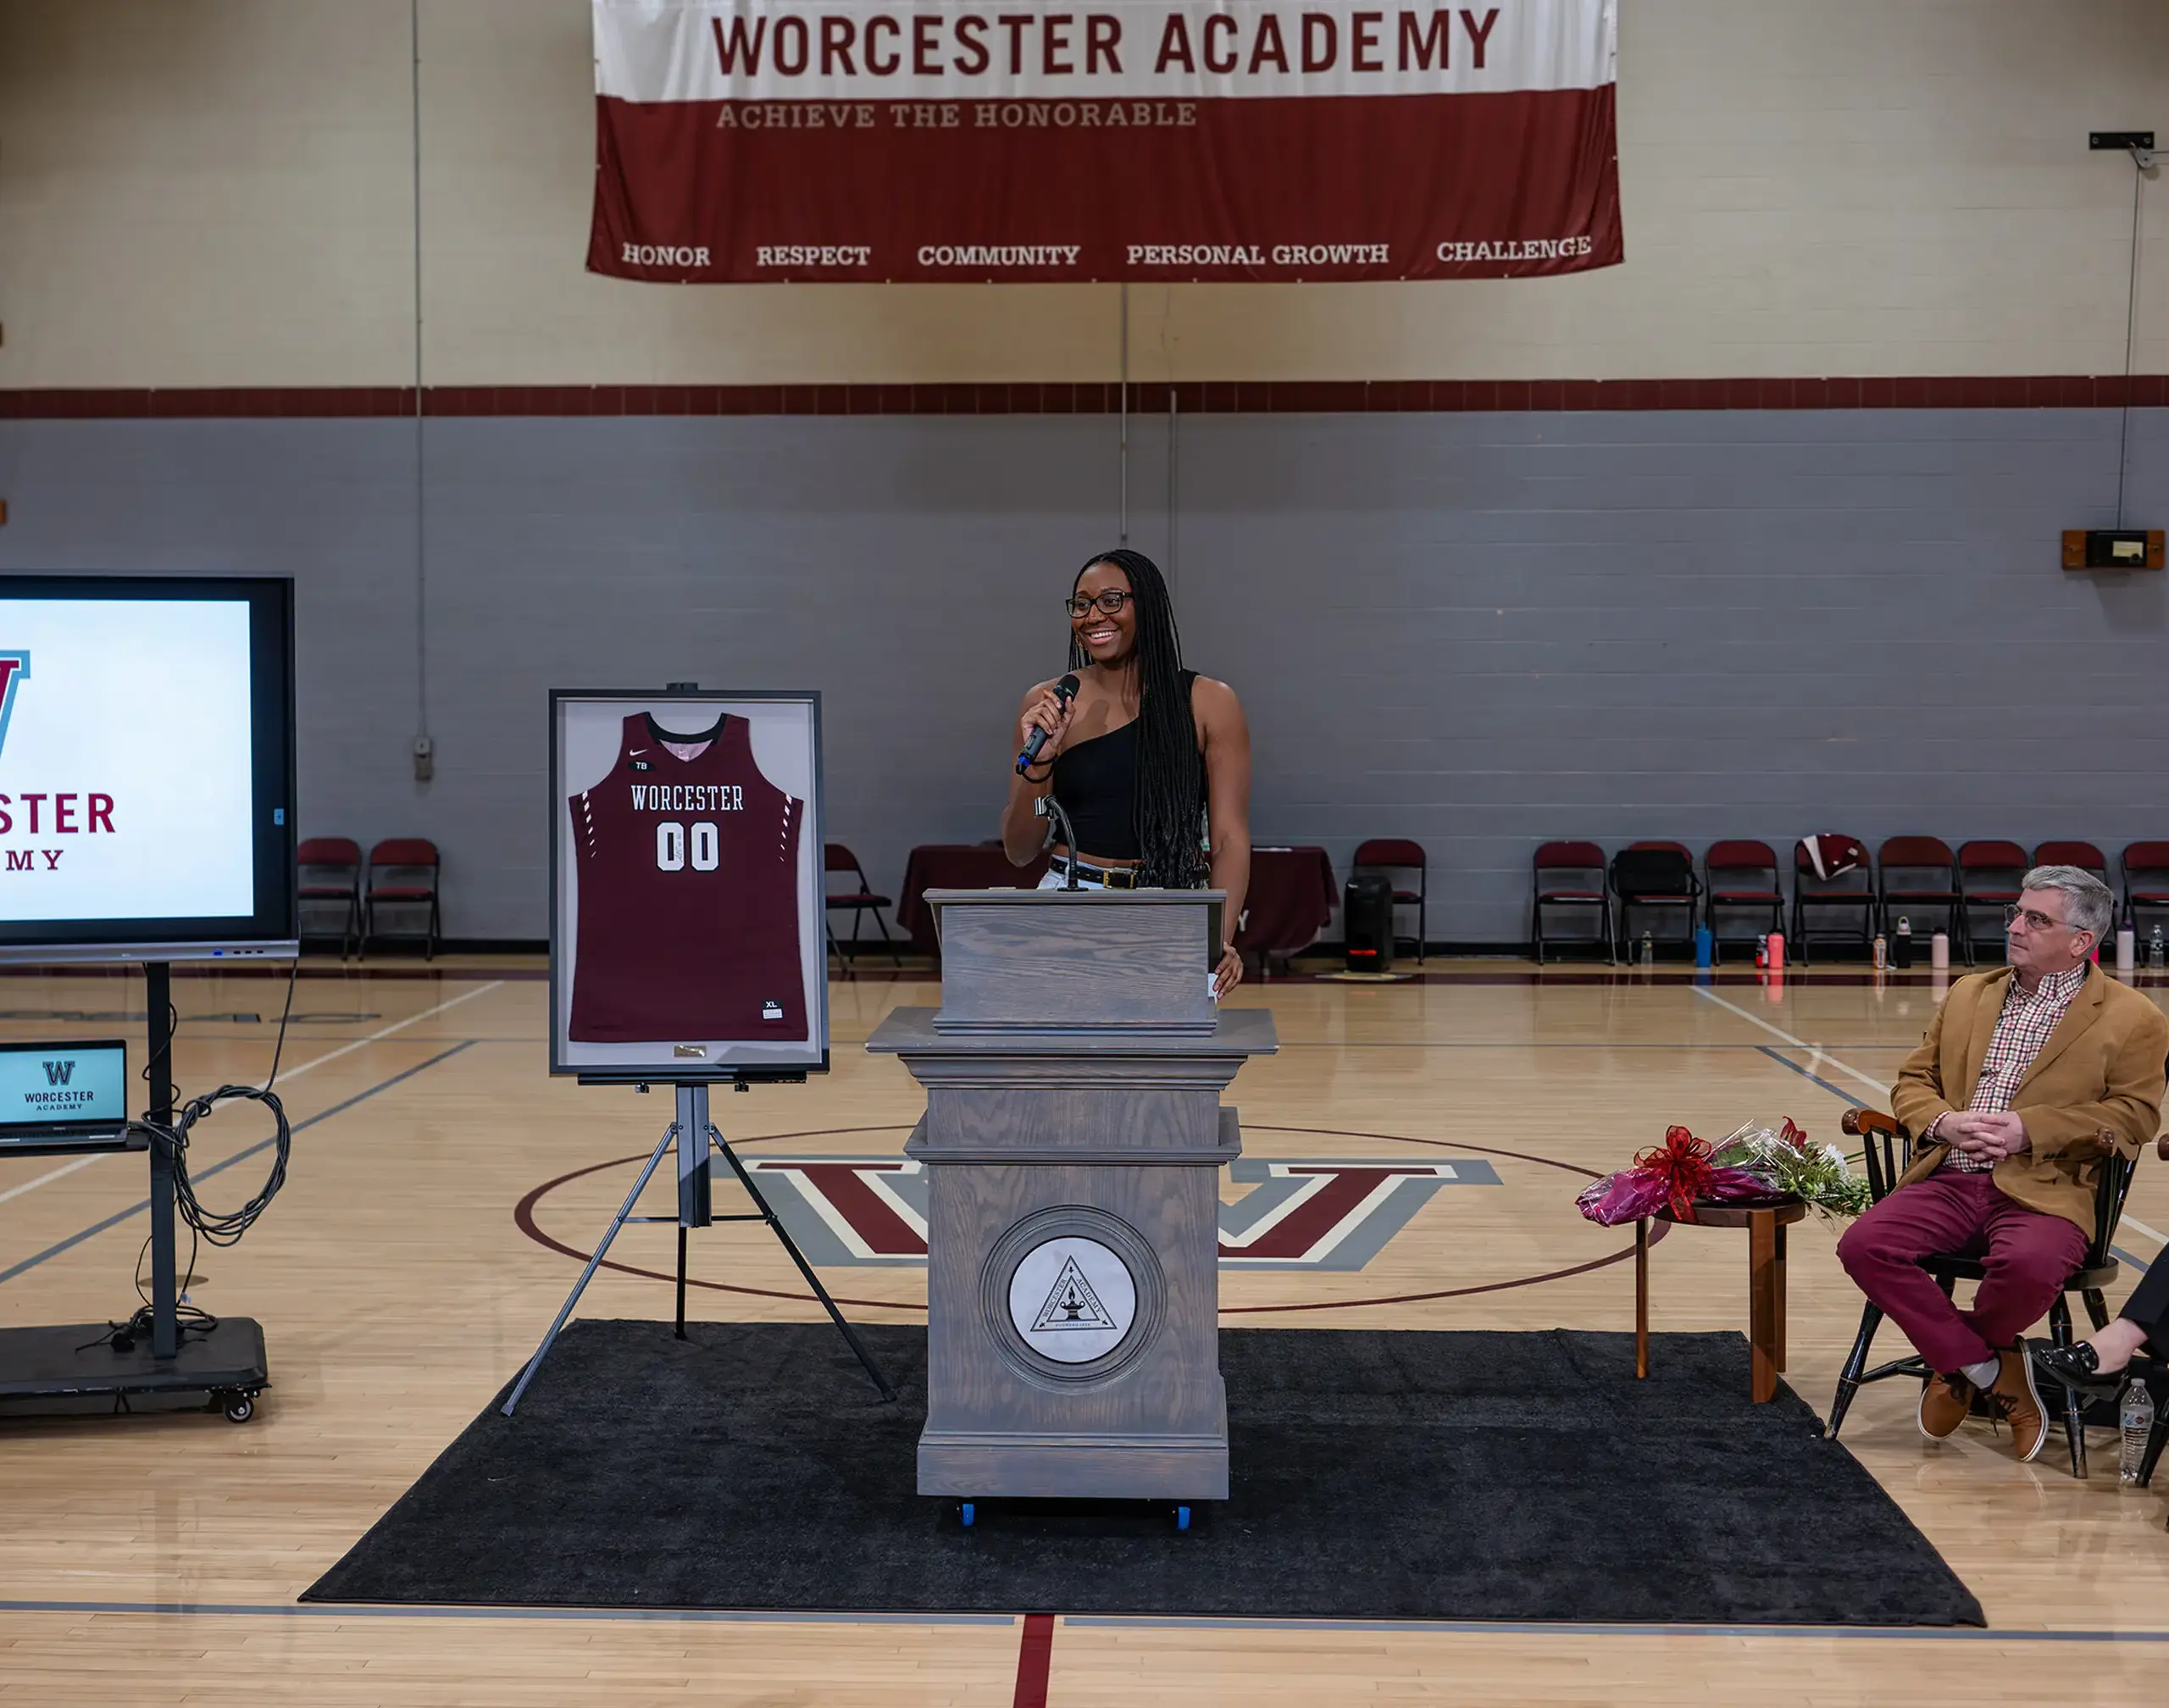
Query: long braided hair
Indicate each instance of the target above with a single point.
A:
(1170, 804)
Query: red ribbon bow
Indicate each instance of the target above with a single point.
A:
(1684, 1164)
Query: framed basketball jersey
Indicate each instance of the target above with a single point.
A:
(687, 935)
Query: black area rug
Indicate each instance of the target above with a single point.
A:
(1376, 1475)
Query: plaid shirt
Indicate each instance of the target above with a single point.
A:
(2021, 1029)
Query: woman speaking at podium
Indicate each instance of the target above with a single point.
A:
(1152, 763)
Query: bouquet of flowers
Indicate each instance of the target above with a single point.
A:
(1817, 1175)
(1755, 1167)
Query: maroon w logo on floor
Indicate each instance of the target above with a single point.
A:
(1308, 1213)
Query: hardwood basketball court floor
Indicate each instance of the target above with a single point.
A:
(415, 1257)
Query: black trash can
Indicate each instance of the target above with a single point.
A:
(1367, 922)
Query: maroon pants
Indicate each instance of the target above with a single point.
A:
(2027, 1256)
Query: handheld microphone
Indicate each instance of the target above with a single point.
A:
(1064, 692)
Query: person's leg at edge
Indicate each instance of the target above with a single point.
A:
(2028, 1257)
(1947, 1211)
(2142, 1325)
(1881, 1251)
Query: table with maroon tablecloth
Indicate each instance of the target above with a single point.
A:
(954, 866)
(1290, 900)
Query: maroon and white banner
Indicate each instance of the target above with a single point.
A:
(1070, 140)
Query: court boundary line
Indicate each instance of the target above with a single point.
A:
(378, 1609)
(1521, 1628)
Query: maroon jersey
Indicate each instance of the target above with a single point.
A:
(688, 861)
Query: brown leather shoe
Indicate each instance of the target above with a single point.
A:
(2018, 1403)
(1944, 1403)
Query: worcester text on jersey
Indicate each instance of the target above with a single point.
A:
(688, 797)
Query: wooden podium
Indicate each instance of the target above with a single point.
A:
(1073, 1139)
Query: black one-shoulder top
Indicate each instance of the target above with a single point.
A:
(1095, 781)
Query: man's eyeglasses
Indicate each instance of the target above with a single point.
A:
(1110, 602)
(2034, 921)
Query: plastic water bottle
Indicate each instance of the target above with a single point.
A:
(1882, 953)
(1650, 950)
(2157, 954)
(2136, 1415)
(1705, 946)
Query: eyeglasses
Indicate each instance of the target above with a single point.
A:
(2034, 921)
(1110, 601)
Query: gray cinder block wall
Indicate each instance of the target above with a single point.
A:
(1480, 630)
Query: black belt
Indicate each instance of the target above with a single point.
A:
(1110, 877)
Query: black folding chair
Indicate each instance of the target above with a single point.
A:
(1657, 878)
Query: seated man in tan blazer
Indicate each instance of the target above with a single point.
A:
(2025, 1071)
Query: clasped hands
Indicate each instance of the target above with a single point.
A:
(1990, 1137)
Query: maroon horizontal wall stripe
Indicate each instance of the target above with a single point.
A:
(1032, 397)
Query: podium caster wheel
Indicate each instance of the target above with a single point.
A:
(1182, 1517)
(969, 1513)
(240, 1408)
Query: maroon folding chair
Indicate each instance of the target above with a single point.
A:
(328, 872)
(1571, 875)
(403, 876)
(2084, 855)
(2146, 884)
(1396, 854)
(1989, 875)
(859, 899)
(1741, 877)
(1919, 875)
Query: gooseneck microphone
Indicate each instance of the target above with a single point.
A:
(1065, 690)
(1046, 806)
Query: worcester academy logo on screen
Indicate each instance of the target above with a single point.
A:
(42, 812)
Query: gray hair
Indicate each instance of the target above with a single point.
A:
(2091, 906)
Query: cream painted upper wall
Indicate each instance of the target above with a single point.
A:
(219, 193)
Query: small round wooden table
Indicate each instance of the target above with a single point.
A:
(1765, 1283)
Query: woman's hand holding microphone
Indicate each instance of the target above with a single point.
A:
(1047, 715)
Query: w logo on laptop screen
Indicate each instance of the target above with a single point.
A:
(53, 1093)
